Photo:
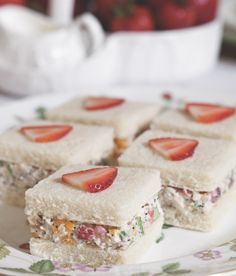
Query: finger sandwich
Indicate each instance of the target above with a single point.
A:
(200, 119)
(127, 118)
(94, 215)
(198, 175)
(32, 151)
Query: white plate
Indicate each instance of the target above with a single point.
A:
(181, 252)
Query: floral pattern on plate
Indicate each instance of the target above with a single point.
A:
(221, 258)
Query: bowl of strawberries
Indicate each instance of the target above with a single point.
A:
(161, 40)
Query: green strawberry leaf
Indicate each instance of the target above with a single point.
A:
(179, 272)
(43, 266)
(170, 267)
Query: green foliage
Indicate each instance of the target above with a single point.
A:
(170, 267)
(42, 266)
(166, 226)
(41, 112)
(4, 252)
(161, 238)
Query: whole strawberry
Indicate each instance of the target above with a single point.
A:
(176, 14)
(132, 17)
(103, 9)
(206, 10)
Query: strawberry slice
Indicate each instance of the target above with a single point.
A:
(91, 180)
(174, 149)
(100, 103)
(209, 113)
(45, 133)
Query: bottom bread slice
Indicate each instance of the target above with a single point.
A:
(200, 221)
(94, 256)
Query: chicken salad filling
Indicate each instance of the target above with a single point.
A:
(189, 201)
(60, 230)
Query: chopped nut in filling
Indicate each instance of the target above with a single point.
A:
(21, 175)
(102, 236)
(187, 201)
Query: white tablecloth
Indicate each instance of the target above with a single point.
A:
(222, 79)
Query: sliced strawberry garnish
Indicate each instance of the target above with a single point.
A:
(45, 133)
(100, 103)
(209, 113)
(174, 149)
(92, 180)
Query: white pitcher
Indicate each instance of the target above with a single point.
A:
(29, 39)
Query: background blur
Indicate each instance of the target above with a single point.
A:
(104, 9)
(66, 45)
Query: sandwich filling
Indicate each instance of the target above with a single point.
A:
(21, 176)
(185, 201)
(60, 230)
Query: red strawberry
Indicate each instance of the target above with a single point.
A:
(100, 103)
(141, 20)
(45, 133)
(209, 113)
(12, 2)
(85, 233)
(206, 9)
(91, 180)
(133, 18)
(172, 15)
(174, 149)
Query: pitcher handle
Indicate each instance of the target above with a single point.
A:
(94, 34)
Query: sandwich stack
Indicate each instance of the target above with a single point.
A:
(95, 215)
(34, 150)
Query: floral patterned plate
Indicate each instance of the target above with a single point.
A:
(178, 252)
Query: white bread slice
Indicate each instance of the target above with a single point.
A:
(84, 144)
(178, 121)
(114, 206)
(211, 162)
(94, 256)
(127, 119)
(198, 221)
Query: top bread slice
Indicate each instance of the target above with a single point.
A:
(127, 119)
(178, 121)
(206, 170)
(114, 206)
(83, 145)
